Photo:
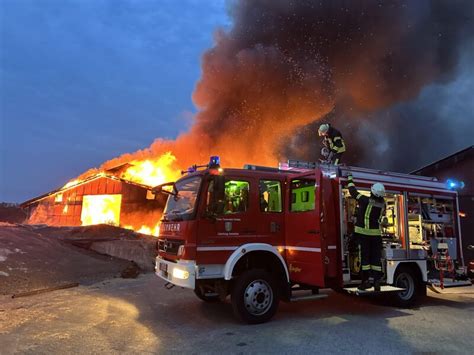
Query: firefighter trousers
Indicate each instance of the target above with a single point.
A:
(371, 254)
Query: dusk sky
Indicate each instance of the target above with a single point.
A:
(84, 81)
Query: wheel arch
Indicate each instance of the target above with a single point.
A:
(250, 250)
(418, 266)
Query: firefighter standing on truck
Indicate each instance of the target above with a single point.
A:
(367, 230)
(333, 142)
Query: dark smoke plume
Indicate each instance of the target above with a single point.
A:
(285, 66)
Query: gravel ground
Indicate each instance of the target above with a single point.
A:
(33, 258)
(141, 316)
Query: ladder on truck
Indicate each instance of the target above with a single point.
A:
(363, 174)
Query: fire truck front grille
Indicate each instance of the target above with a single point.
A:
(169, 246)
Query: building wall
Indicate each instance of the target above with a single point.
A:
(64, 208)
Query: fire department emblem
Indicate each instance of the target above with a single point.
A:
(228, 226)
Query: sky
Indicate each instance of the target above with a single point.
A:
(84, 81)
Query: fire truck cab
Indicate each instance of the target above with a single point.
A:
(262, 235)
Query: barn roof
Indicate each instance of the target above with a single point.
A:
(82, 182)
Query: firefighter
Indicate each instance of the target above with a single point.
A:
(333, 141)
(367, 230)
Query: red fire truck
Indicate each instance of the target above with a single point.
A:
(262, 235)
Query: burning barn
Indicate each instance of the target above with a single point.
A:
(105, 197)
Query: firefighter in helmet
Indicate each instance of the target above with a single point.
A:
(334, 145)
(367, 230)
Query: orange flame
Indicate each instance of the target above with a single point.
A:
(155, 231)
(98, 209)
(153, 172)
(149, 170)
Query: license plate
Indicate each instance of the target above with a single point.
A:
(164, 267)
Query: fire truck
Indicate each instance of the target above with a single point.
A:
(263, 234)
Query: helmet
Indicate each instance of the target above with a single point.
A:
(378, 189)
(323, 129)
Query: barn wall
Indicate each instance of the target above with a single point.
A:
(67, 212)
(136, 210)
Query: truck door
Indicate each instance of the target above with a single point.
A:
(230, 225)
(303, 247)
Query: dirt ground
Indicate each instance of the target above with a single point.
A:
(141, 316)
(39, 257)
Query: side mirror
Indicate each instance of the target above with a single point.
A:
(159, 189)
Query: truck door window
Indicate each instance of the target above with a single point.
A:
(236, 196)
(270, 196)
(302, 193)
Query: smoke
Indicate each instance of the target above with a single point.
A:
(285, 66)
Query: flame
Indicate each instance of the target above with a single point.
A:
(155, 231)
(153, 172)
(98, 209)
(105, 209)
(151, 231)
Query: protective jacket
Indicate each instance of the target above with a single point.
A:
(370, 211)
(334, 141)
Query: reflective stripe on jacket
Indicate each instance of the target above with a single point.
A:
(335, 141)
(369, 213)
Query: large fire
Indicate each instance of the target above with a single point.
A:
(152, 172)
(106, 209)
(98, 209)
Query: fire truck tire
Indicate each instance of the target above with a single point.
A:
(415, 289)
(255, 296)
(206, 298)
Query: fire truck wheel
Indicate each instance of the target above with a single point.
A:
(255, 296)
(408, 279)
(206, 298)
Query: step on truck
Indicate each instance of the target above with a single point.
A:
(264, 235)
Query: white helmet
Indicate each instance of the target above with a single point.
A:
(323, 129)
(378, 189)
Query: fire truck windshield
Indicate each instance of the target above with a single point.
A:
(182, 206)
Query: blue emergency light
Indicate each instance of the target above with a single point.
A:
(453, 184)
(214, 162)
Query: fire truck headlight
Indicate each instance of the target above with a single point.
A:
(180, 274)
